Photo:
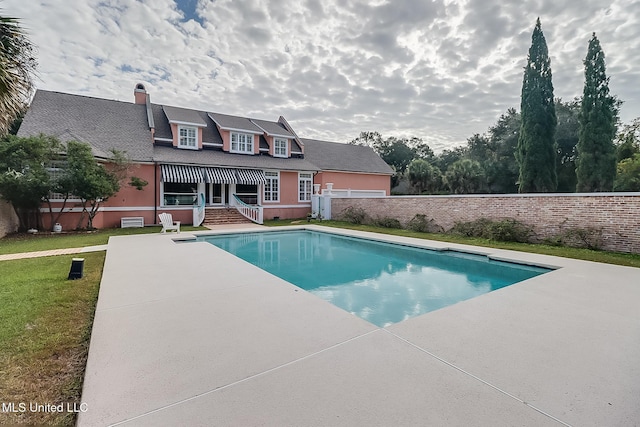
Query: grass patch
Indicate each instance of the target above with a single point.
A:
(631, 260)
(22, 242)
(44, 338)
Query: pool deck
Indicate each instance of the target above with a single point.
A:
(187, 334)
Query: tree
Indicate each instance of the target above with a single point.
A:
(628, 140)
(596, 164)
(448, 157)
(628, 174)
(501, 167)
(91, 182)
(536, 153)
(566, 140)
(24, 178)
(466, 176)
(17, 65)
(368, 139)
(478, 148)
(396, 152)
(424, 176)
(421, 150)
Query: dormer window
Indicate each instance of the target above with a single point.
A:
(241, 143)
(188, 137)
(280, 146)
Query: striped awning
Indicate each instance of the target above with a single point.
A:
(251, 176)
(181, 174)
(220, 175)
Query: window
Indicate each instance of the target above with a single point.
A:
(187, 137)
(241, 143)
(305, 181)
(280, 146)
(272, 187)
(179, 194)
(248, 193)
(56, 171)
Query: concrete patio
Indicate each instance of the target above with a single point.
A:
(187, 334)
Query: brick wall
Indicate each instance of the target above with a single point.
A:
(8, 219)
(617, 214)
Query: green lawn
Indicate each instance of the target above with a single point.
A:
(632, 260)
(44, 334)
(45, 241)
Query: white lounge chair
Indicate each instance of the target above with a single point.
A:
(167, 223)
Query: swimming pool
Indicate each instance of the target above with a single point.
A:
(383, 283)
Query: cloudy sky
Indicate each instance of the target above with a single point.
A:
(439, 70)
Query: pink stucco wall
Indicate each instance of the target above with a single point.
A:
(287, 213)
(354, 181)
(130, 202)
(123, 204)
(289, 190)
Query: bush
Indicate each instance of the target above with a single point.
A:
(475, 228)
(353, 215)
(420, 223)
(510, 230)
(505, 230)
(387, 222)
(589, 237)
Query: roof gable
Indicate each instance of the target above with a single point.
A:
(242, 124)
(273, 128)
(182, 116)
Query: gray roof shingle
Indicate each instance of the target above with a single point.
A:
(344, 157)
(235, 122)
(107, 124)
(161, 123)
(104, 124)
(273, 128)
(183, 115)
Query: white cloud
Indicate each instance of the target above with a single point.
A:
(437, 70)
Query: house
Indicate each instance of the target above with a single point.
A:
(232, 161)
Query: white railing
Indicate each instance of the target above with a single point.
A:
(198, 211)
(254, 213)
(349, 193)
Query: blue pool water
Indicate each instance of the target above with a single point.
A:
(383, 283)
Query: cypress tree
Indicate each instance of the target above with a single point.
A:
(596, 165)
(536, 151)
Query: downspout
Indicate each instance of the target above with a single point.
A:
(156, 196)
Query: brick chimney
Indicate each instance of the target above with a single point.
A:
(140, 94)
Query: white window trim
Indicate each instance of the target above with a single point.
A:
(187, 146)
(306, 179)
(275, 147)
(249, 144)
(264, 187)
(163, 193)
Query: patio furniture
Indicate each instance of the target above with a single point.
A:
(167, 223)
